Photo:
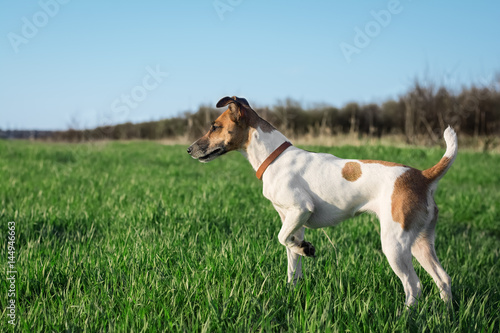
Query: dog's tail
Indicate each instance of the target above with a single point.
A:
(436, 172)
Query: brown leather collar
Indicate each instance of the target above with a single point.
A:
(270, 159)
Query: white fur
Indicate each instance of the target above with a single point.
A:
(308, 191)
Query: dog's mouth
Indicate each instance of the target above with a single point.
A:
(212, 155)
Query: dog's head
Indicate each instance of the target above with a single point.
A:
(230, 131)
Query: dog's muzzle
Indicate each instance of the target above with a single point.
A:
(203, 154)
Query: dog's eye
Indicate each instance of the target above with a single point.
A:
(215, 128)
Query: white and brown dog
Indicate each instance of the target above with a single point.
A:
(313, 190)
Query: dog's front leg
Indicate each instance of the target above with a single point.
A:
(288, 236)
(295, 261)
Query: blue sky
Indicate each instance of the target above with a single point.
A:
(87, 63)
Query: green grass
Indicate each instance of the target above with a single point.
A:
(140, 237)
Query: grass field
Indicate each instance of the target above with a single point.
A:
(140, 237)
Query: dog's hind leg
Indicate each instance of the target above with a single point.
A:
(423, 250)
(396, 245)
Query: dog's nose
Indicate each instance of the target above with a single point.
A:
(189, 150)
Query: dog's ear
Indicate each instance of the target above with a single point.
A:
(236, 107)
(241, 101)
(227, 100)
(224, 101)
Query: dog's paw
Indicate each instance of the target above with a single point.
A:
(308, 249)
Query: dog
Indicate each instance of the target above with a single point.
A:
(315, 190)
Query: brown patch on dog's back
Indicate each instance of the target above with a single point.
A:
(409, 198)
(351, 171)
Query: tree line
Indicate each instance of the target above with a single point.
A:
(423, 111)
